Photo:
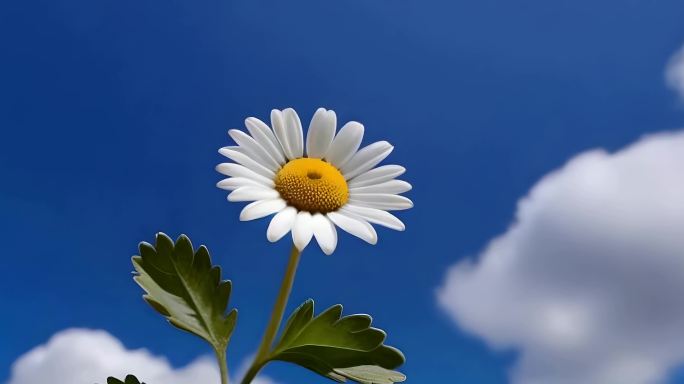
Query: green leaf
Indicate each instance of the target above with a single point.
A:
(340, 348)
(130, 379)
(182, 285)
(371, 374)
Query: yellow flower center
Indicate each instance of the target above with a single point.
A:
(312, 185)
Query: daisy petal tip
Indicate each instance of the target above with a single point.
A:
(300, 245)
(244, 214)
(374, 235)
(276, 117)
(356, 126)
(274, 235)
(300, 241)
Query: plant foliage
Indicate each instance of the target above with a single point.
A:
(130, 379)
(340, 348)
(182, 285)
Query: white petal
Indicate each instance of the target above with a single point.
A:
(354, 225)
(302, 231)
(234, 148)
(295, 135)
(252, 194)
(381, 201)
(377, 175)
(237, 170)
(280, 129)
(321, 133)
(281, 224)
(366, 158)
(376, 216)
(254, 149)
(233, 183)
(231, 149)
(247, 161)
(263, 134)
(345, 144)
(261, 208)
(325, 233)
(392, 187)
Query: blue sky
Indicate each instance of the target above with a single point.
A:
(112, 113)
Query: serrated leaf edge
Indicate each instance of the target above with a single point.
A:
(229, 318)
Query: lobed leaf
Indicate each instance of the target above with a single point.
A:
(182, 285)
(130, 379)
(371, 374)
(340, 348)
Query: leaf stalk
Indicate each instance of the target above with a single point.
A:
(223, 365)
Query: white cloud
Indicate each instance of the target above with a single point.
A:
(84, 356)
(674, 73)
(588, 283)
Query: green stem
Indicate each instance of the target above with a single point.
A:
(223, 365)
(276, 318)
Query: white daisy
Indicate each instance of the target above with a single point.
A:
(331, 183)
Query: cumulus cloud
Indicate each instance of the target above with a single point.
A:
(588, 282)
(675, 72)
(84, 356)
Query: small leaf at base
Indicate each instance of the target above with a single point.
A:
(130, 379)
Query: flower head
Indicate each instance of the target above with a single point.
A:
(332, 183)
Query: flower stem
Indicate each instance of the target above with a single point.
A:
(223, 365)
(276, 318)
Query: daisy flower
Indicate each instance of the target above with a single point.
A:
(316, 184)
